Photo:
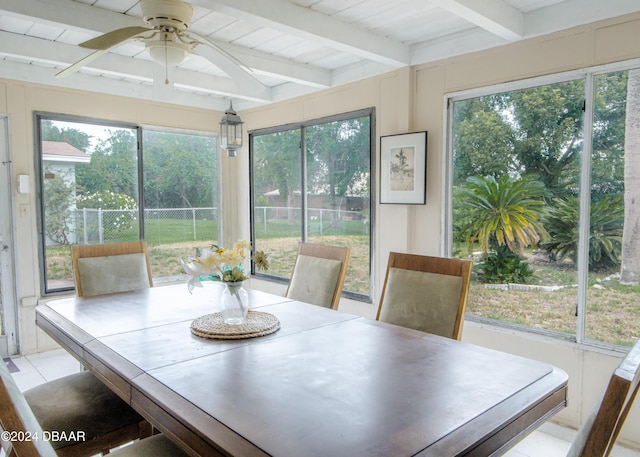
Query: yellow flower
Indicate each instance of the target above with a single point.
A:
(222, 263)
(242, 245)
(261, 261)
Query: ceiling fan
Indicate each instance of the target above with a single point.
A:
(168, 42)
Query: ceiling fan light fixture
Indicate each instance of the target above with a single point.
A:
(166, 52)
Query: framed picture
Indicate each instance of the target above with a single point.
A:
(403, 169)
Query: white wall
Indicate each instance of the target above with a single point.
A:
(406, 100)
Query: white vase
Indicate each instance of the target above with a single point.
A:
(235, 302)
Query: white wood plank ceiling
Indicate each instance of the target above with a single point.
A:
(293, 47)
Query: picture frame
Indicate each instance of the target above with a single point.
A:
(403, 169)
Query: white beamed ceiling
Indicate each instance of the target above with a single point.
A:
(293, 47)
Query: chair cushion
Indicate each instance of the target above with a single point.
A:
(79, 402)
(110, 274)
(156, 446)
(18, 410)
(314, 280)
(421, 301)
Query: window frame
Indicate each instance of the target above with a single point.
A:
(39, 116)
(588, 75)
(302, 126)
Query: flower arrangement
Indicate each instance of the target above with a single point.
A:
(221, 264)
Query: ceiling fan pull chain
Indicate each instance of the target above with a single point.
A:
(166, 61)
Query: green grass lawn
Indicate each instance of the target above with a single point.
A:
(613, 308)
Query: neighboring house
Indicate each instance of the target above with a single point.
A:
(60, 161)
(61, 157)
(318, 201)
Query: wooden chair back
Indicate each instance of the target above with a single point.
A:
(600, 430)
(107, 250)
(310, 286)
(426, 293)
(17, 418)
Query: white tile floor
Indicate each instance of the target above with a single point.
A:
(550, 440)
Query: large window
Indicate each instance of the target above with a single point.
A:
(93, 180)
(311, 182)
(543, 199)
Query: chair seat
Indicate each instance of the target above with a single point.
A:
(79, 402)
(62, 395)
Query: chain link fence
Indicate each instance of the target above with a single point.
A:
(163, 225)
(97, 226)
(269, 220)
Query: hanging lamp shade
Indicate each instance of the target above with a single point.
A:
(231, 131)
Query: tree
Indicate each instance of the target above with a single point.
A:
(73, 136)
(179, 170)
(548, 131)
(58, 199)
(113, 166)
(534, 131)
(607, 157)
(483, 140)
(277, 166)
(630, 272)
(338, 159)
(502, 212)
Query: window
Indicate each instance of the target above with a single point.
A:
(93, 180)
(539, 176)
(321, 196)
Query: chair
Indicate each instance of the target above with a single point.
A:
(80, 401)
(17, 418)
(108, 268)
(318, 274)
(598, 433)
(425, 293)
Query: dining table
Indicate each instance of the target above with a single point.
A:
(324, 383)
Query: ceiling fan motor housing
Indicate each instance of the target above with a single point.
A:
(167, 13)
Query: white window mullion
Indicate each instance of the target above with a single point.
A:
(585, 203)
(303, 183)
(447, 179)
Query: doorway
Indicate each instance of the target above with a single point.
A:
(8, 309)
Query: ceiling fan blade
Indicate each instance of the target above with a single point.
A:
(79, 64)
(113, 38)
(102, 44)
(226, 62)
(162, 82)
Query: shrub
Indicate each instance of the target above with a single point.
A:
(500, 212)
(117, 222)
(605, 231)
(58, 196)
(502, 267)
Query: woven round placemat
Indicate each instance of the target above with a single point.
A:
(213, 326)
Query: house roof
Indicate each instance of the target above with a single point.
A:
(59, 151)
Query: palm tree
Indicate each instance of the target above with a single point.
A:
(605, 230)
(502, 212)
